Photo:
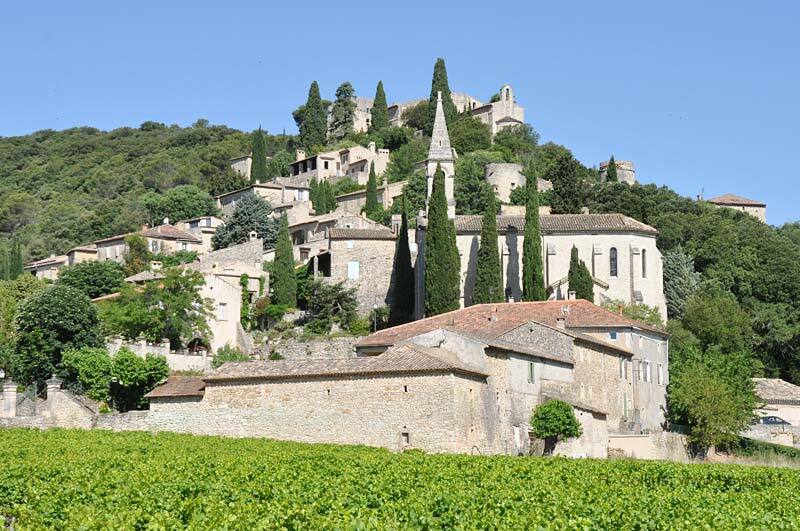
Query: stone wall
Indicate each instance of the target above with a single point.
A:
(176, 361)
(329, 348)
(372, 260)
(129, 421)
(776, 434)
(663, 445)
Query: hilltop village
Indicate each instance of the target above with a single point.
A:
(415, 275)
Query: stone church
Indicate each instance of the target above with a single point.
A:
(620, 252)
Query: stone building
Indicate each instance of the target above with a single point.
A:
(203, 228)
(353, 162)
(164, 238)
(626, 173)
(505, 177)
(756, 209)
(502, 113)
(277, 193)
(243, 165)
(47, 268)
(362, 117)
(779, 398)
(387, 194)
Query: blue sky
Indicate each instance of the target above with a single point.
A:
(700, 97)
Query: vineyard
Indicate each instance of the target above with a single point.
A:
(92, 480)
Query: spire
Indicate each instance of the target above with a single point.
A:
(440, 149)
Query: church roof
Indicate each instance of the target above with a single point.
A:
(440, 149)
(559, 223)
(736, 200)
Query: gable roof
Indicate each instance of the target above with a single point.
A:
(777, 391)
(559, 223)
(490, 321)
(50, 260)
(163, 232)
(401, 359)
(736, 200)
(179, 386)
(340, 233)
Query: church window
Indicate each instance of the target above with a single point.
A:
(530, 372)
(644, 263)
(612, 262)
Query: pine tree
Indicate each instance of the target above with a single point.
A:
(440, 83)
(343, 112)
(371, 206)
(611, 171)
(314, 128)
(284, 283)
(402, 307)
(258, 170)
(533, 288)
(380, 111)
(488, 272)
(579, 279)
(442, 262)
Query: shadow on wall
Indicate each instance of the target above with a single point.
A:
(512, 269)
(472, 265)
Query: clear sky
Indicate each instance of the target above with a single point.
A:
(702, 96)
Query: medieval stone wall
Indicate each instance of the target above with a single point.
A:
(367, 266)
(328, 348)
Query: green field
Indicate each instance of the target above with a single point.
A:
(70, 479)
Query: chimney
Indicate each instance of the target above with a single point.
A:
(572, 296)
(561, 322)
(166, 221)
(493, 315)
(372, 147)
(155, 266)
(299, 154)
(252, 236)
(397, 221)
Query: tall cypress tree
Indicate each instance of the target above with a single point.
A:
(371, 206)
(567, 195)
(313, 193)
(440, 83)
(611, 171)
(314, 129)
(579, 279)
(442, 263)
(533, 288)
(4, 262)
(16, 264)
(284, 283)
(402, 307)
(488, 272)
(380, 111)
(258, 170)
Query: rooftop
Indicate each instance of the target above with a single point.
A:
(776, 391)
(164, 232)
(401, 359)
(336, 233)
(50, 260)
(490, 321)
(554, 223)
(179, 386)
(736, 200)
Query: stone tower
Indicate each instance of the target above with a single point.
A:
(626, 173)
(442, 153)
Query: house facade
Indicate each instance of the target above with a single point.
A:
(757, 209)
(353, 162)
(164, 239)
(277, 193)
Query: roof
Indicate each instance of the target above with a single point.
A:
(440, 149)
(145, 276)
(88, 248)
(164, 232)
(336, 233)
(179, 386)
(733, 199)
(555, 223)
(402, 359)
(363, 191)
(490, 321)
(50, 260)
(777, 391)
(274, 186)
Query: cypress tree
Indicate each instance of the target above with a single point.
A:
(567, 187)
(442, 263)
(533, 288)
(4, 263)
(488, 272)
(284, 283)
(313, 193)
(579, 279)
(611, 171)
(371, 206)
(258, 170)
(440, 83)
(380, 111)
(16, 264)
(313, 130)
(402, 307)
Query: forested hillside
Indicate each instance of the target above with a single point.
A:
(61, 189)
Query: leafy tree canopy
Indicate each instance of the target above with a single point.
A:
(94, 279)
(252, 213)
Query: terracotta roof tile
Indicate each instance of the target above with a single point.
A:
(402, 359)
(555, 223)
(178, 386)
(737, 200)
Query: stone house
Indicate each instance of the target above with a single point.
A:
(755, 208)
(353, 162)
(276, 193)
(387, 194)
(165, 238)
(47, 268)
(243, 165)
(779, 398)
(311, 235)
(203, 228)
(362, 117)
(502, 113)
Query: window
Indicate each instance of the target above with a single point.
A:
(222, 312)
(326, 164)
(660, 374)
(640, 370)
(184, 246)
(530, 372)
(612, 262)
(405, 438)
(612, 336)
(349, 244)
(154, 246)
(623, 369)
(644, 263)
(648, 373)
(353, 270)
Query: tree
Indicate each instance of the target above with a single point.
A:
(132, 377)
(416, 117)
(371, 206)
(13, 293)
(554, 421)
(137, 257)
(442, 262)
(171, 307)
(314, 127)
(94, 279)
(228, 353)
(681, 281)
(488, 272)
(579, 279)
(179, 203)
(244, 311)
(402, 307)
(517, 143)
(52, 321)
(323, 197)
(439, 83)
(280, 164)
(470, 182)
(343, 112)
(533, 288)
(380, 111)
(253, 213)
(258, 169)
(224, 181)
(468, 134)
(567, 194)
(714, 316)
(611, 171)
(331, 303)
(284, 283)
(16, 264)
(91, 368)
(637, 311)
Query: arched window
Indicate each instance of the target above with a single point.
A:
(612, 262)
(644, 263)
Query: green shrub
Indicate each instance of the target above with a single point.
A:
(91, 368)
(228, 353)
(554, 421)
